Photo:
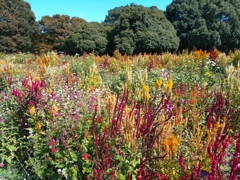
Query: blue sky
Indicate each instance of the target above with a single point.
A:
(90, 10)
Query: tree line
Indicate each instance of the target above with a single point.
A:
(130, 29)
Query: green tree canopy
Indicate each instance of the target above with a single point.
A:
(114, 14)
(139, 29)
(205, 24)
(87, 38)
(17, 26)
(55, 30)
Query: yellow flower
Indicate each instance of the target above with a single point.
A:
(29, 83)
(38, 126)
(208, 73)
(146, 92)
(169, 84)
(31, 109)
(38, 77)
(159, 82)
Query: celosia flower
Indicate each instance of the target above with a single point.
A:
(181, 163)
(171, 144)
(166, 144)
(146, 92)
(140, 171)
(53, 109)
(99, 120)
(31, 108)
(169, 84)
(174, 142)
(38, 126)
(159, 82)
(29, 82)
(16, 93)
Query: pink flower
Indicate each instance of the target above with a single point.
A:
(184, 101)
(1, 165)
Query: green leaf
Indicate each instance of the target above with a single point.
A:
(11, 148)
(73, 156)
(8, 159)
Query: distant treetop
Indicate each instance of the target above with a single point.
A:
(18, 27)
(206, 23)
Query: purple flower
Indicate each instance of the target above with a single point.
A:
(184, 101)
(197, 113)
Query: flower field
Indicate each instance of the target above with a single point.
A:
(122, 117)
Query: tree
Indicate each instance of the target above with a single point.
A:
(139, 29)
(55, 30)
(18, 27)
(114, 14)
(87, 38)
(205, 24)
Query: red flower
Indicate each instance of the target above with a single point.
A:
(54, 150)
(86, 157)
(99, 120)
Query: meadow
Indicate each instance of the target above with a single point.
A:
(146, 116)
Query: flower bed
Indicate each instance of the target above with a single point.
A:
(122, 117)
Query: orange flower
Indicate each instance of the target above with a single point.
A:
(174, 142)
(171, 144)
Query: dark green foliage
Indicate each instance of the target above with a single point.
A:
(137, 29)
(88, 38)
(236, 59)
(17, 26)
(114, 14)
(205, 24)
(55, 30)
